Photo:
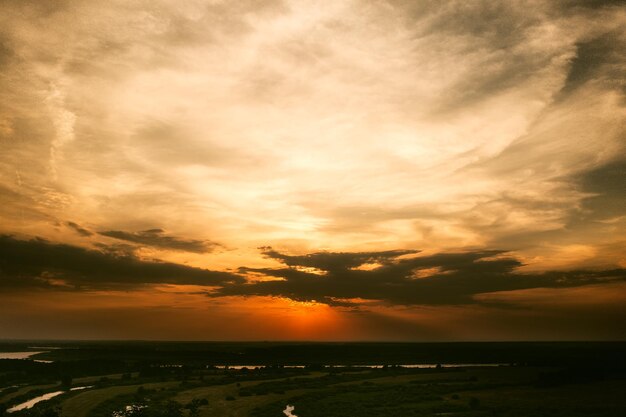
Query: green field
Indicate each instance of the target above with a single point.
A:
(500, 391)
(158, 387)
(82, 404)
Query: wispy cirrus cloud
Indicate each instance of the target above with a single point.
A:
(335, 133)
(456, 124)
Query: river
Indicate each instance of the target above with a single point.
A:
(30, 403)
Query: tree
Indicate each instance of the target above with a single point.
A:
(43, 412)
(474, 403)
(66, 381)
(194, 406)
(173, 409)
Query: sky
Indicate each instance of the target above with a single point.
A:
(305, 170)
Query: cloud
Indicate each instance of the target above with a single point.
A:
(451, 278)
(78, 229)
(157, 238)
(394, 277)
(329, 261)
(596, 221)
(40, 263)
(594, 4)
(598, 58)
(357, 127)
(162, 110)
(606, 191)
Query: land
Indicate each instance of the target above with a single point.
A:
(319, 379)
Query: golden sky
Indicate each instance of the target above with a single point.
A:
(304, 170)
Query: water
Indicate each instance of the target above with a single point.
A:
(288, 411)
(413, 366)
(45, 347)
(434, 365)
(240, 367)
(30, 403)
(18, 355)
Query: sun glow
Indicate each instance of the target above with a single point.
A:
(219, 169)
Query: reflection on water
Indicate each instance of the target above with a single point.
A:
(30, 403)
(240, 367)
(443, 365)
(24, 355)
(18, 355)
(413, 366)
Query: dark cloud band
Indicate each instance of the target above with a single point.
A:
(447, 278)
(37, 262)
(157, 238)
(392, 277)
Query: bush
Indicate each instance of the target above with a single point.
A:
(66, 381)
(474, 403)
(194, 406)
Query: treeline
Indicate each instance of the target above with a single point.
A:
(16, 371)
(204, 353)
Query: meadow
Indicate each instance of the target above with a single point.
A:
(176, 379)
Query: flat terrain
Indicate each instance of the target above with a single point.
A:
(82, 404)
(166, 381)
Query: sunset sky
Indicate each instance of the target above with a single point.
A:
(305, 170)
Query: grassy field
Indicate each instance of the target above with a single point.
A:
(235, 405)
(569, 380)
(471, 392)
(499, 392)
(505, 391)
(80, 405)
